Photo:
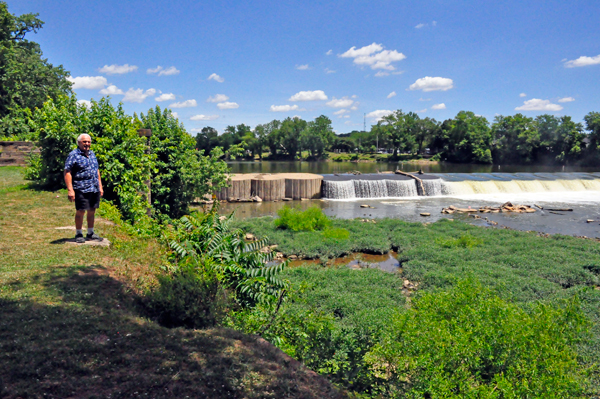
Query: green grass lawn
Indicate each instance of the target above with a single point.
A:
(72, 322)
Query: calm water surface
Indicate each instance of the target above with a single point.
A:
(324, 167)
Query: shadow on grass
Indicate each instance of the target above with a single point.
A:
(94, 344)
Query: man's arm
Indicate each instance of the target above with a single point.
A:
(69, 183)
(100, 184)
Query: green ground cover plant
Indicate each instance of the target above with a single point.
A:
(521, 268)
(467, 342)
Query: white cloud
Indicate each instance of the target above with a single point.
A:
(216, 78)
(424, 99)
(87, 82)
(302, 67)
(340, 112)
(137, 95)
(175, 114)
(419, 26)
(184, 104)
(228, 105)
(196, 130)
(536, 104)
(392, 94)
(421, 111)
(583, 61)
(162, 71)
(315, 95)
(327, 70)
(375, 56)
(438, 106)
(381, 74)
(329, 52)
(363, 51)
(86, 103)
(204, 117)
(433, 23)
(111, 90)
(165, 97)
(115, 69)
(217, 98)
(566, 99)
(378, 114)
(354, 107)
(429, 83)
(522, 95)
(284, 108)
(343, 102)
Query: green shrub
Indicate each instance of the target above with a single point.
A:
(296, 220)
(467, 342)
(181, 173)
(191, 297)
(242, 267)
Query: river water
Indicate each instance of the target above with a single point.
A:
(462, 186)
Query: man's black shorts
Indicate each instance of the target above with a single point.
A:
(86, 201)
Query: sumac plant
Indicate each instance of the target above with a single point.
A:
(246, 268)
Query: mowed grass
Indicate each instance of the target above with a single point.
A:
(72, 319)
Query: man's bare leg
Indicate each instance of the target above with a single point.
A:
(91, 214)
(79, 219)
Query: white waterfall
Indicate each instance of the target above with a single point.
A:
(401, 188)
(370, 188)
(432, 187)
(339, 189)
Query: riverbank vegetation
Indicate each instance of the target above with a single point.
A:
(504, 282)
(77, 321)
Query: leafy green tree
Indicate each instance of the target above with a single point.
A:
(207, 139)
(26, 79)
(424, 131)
(273, 137)
(466, 138)
(318, 136)
(592, 125)
(290, 133)
(515, 139)
(547, 127)
(181, 173)
(569, 146)
(398, 129)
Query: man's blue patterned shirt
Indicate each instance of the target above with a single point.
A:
(84, 170)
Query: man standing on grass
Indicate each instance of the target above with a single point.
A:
(82, 178)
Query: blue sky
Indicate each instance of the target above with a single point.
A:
(219, 63)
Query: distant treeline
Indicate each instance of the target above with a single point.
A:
(467, 138)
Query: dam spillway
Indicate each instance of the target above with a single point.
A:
(274, 187)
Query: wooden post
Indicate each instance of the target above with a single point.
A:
(147, 133)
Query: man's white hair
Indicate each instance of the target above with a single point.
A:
(81, 136)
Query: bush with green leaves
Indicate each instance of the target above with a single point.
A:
(192, 296)
(297, 220)
(181, 173)
(121, 153)
(244, 268)
(467, 342)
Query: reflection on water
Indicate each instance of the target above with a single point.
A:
(325, 167)
(358, 260)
